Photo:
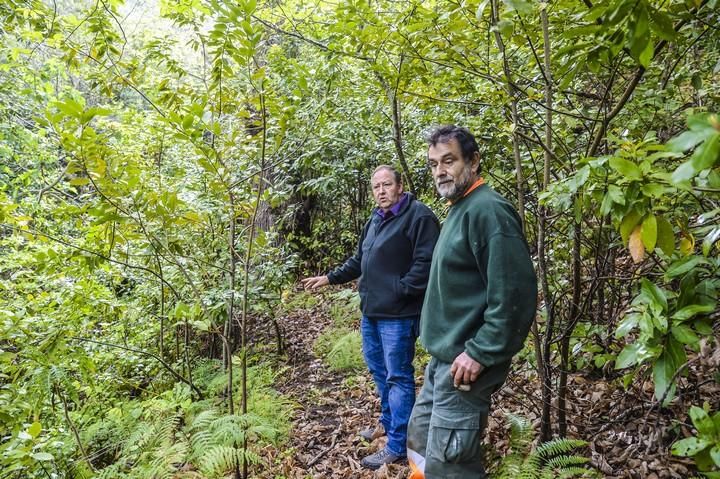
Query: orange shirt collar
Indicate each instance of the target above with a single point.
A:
(480, 181)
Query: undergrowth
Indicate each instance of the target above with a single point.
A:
(340, 345)
(554, 459)
(171, 436)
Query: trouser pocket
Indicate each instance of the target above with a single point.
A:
(455, 437)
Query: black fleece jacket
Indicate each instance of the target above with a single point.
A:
(393, 261)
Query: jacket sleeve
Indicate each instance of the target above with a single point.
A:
(511, 300)
(423, 235)
(351, 269)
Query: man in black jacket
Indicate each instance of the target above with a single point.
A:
(393, 263)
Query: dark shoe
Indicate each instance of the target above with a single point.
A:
(377, 460)
(371, 434)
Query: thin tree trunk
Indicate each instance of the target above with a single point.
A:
(246, 276)
(74, 430)
(545, 359)
(397, 140)
(227, 330)
(509, 85)
(565, 340)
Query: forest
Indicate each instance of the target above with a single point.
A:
(170, 170)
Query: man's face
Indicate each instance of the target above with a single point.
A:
(385, 189)
(451, 173)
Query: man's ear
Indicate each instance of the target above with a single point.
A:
(476, 162)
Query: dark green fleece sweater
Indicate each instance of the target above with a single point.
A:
(481, 295)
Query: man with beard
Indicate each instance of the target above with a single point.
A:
(392, 262)
(479, 304)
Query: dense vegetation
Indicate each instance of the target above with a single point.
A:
(168, 169)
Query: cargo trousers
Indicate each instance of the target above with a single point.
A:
(447, 425)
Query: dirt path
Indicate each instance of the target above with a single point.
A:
(624, 427)
(332, 408)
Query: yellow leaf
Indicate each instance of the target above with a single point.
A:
(35, 429)
(687, 244)
(635, 245)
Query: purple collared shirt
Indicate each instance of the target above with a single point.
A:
(394, 209)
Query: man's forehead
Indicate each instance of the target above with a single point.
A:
(443, 148)
(383, 175)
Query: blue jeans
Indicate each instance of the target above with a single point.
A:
(389, 348)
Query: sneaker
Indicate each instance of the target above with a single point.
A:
(377, 460)
(370, 434)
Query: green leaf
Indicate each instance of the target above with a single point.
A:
(665, 236)
(663, 372)
(42, 456)
(654, 293)
(689, 311)
(715, 454)
(646, 55)
(703, 326)
(629, 356)
(649, 232)
(684, 334)
(683, 266)
(662, 25)
(689, 446)
(626, 168)
(707, 154)
(521, 6)
(481, 9)
(628, 223)
(709, 241)
(71, 108)
(702, 421)
(696, 81)
(505, 27)
(35, 429)
(627, 324)
(91, 113)
(617, 195)
(660, 321)
(654, 190)
(707, 124)
(684, 172)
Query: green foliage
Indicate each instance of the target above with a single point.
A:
(341, 349)
(551, 459)
(346, 353)
(668, 322)
(344, 307)
(340, 345)
(704, 447)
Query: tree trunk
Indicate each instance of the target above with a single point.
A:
(544, 357)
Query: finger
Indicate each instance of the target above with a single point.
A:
(458, 377)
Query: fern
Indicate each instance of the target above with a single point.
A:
(550, 460)
(217, 441)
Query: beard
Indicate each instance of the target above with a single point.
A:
(456, 188)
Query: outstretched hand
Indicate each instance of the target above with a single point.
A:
(465, 370)
(315, 282)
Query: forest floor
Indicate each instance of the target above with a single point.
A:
(625, 430)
